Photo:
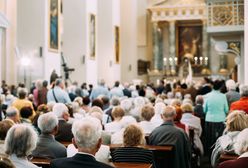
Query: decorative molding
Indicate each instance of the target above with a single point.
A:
(178, 12)
(225, 14)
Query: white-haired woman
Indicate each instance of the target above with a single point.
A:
(156, 119)
(20, 142)
(236, 122)
(241, 148)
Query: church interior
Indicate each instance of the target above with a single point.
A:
(124, 83)
(125, 40)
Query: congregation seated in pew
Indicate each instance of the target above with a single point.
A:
(133, 137)
(168, 134)
(87, 139)
(161, 131)
(47, 146)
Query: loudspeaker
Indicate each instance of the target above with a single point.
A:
(41, 52)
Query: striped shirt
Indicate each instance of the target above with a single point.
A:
(132, 154)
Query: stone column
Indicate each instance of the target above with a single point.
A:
(172, 48)
(243, 76)
(204, 46)
(155, 42)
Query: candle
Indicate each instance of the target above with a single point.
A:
(196, 59)
(170, 59)
(201, 58)
(206, 60)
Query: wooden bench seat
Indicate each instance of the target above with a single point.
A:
(131, 165)
(163, 155)
(44, 163)
(149, 147)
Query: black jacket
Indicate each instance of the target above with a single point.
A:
(78, 160)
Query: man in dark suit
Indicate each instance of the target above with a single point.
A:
(168, 134)
(47, 146)
(87, 138)
(64, 130)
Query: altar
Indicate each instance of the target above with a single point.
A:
(180, 32)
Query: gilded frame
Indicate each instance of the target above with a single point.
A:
(188, 39)
(117, 44)
(53, 22)
(92, 36)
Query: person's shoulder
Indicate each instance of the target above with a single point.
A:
(60, 161)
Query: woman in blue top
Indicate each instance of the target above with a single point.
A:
(216, 109)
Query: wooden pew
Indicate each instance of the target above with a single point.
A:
(224, 157)
(131, 165)
(168, 148)
(44, 163)
(163, 155)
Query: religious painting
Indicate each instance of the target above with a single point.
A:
(92, 36)
(117, 44)
(54, 13)
(189, 41)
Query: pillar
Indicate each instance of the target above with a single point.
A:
(205, 43)
(172, 48)
(245, 76)
(155, 47)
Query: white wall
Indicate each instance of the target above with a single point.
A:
(128, 40)
(91, 65)
(116, 68)
(9, 9)
(245, 75)
(32, 33)
(74, 37)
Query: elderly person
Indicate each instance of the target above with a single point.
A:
(192, 123)
(232, 95)
(64, 130)
(236, 122)
(241, 104)
(241, 148)
(47, 146)
(99, 90)
(158, 108)
(20, 142)
(22, 101)
(133, 137)
(103, 154)
(147, 112)
(139, 102)
(115, 125)
(116, 91)
(5, 125)
(113, 103)
(178, 117)
(167, 133)
(215, 108)
(87, 140)
(58, 94)
(12, 114)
